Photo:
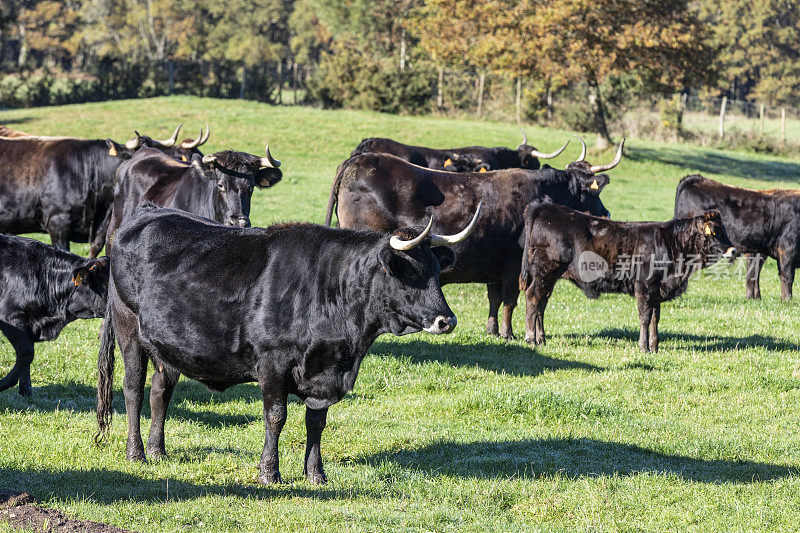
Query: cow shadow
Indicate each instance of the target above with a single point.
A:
(508, 358)
(715, 163)
(572, 458)
(78, 397)
(697, 342)
(109, 487)
(9, 121)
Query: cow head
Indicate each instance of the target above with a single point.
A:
(529, 156)
(89, 285)
(465, 163)
(182, 151)
(410, 262)
(236, 174)
(710, 238)
(590, 181)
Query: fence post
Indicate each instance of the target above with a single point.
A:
(294, 80)
(519, 93)
(439, 100)
(480, 94)
(722, 116)
(761, 117)
(783, 125)
(280, 82)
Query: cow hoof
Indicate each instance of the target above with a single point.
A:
(316, 478)
(156, 452)
(508, 336)
(136, 458)
(492, 330)
(535, 341)
(273, 478)
(26, 392)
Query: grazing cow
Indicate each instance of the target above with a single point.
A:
(42, 289)
(383, 192)
(304, 306)
(218, 186)
(467, 159)
(760, 224)
(649, 260)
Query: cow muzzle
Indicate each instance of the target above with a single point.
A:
(241, 222)
(442, 324)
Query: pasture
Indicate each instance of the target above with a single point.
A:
(458, 432)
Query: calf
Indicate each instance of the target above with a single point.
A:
(42, 289)
(298, 316)
(760, 223)
(649, 260)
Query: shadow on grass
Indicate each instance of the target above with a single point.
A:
(509, 358)
(81, 398)
(712, 162)
(10, 121)
(108, 487)
(697, 342)
(573, 458)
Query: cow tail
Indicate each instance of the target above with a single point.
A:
(334, 195)
(525, 271)
(105, 376)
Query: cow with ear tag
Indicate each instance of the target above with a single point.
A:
(298, 317)
(42, 289)
(217, 186)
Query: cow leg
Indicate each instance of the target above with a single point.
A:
(510, 296)
(99, 238)
(315, 423)
(752, 278)
(160, 395)
(133, 387)
(274, 419)
(786, 273)
(536, 297)
(58, 229)
(495, 293)
(654, 318)
(645, 317)
(23, 349)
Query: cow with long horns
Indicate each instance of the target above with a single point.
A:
(298, 317)
(383, 192)
(466, 159)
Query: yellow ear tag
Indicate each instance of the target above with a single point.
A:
(112, 150)
(77, 279)
(447, 163)
(708, 230)
(184, 158)
(595, 185)
(483, 169)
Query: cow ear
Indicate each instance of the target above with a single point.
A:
(114, 149)
(92, 272)
(387, 260)
(445, 256)
(596, 183)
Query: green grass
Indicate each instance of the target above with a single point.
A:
(457, 432)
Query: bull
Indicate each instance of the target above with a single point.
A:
(383, 192)
(651, 261)
(298, 317)
(42, 289)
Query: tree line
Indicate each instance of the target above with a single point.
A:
(389, 55)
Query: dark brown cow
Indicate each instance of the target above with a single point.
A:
(760, 223)
(383, 192)
(651, 261)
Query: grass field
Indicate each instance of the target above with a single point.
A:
(464, 432)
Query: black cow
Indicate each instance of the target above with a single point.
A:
(760, 223)
(304, 306)
(649, 260)
(42, 289)
(466, 159)
(218, 186)
(383, 192)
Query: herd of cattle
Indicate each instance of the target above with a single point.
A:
(188, 285)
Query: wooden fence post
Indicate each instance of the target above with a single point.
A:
(722, 116)
(519, 95)
(480, 94)
(294, 80)
(439, 98)
(280, 82)
(761, 117)
(783, 125)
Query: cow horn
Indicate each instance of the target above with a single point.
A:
(399, 244)
(583, 150)
(617, 158)
(447, 240)
(171, 141)
(542, 155)
(209, 158)
(134, 143)
(206, 135)
(194, 143)
(270, 161)
(524, 138)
